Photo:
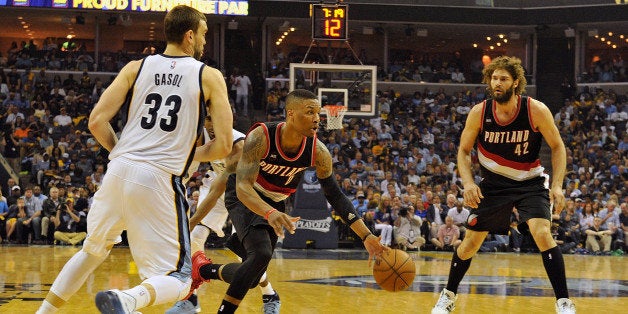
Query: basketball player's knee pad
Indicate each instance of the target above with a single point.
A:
(263, 255)
(168, 288)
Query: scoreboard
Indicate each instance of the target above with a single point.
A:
(329, 21)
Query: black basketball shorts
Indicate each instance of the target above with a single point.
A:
(495, 209)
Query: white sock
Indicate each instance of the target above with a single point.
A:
(268, 289)
(140, 294)
(46, 308)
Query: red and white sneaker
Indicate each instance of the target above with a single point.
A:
(198, 260)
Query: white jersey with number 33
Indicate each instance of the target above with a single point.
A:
(164, 115)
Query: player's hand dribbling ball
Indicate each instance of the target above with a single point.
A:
(394, 270)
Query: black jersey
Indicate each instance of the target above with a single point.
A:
(509, 149)
(280, 173)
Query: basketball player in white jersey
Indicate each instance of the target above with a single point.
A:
(212, 214)
(165, 99)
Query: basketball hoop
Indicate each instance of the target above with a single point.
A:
(334, 116)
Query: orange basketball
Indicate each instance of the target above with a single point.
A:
(394, 270)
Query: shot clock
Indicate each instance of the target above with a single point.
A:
(329, 21)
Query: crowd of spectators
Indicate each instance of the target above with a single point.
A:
(398, 167)
(605, 70)
(407, 66)
(67, 56)
(46, 142)
(403, 67)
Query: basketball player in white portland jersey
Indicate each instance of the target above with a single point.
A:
(165, 97)
(217, 216)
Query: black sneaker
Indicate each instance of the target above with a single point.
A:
(271, 303)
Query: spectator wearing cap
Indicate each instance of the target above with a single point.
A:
(341, 170)
(360, 203)
(579, 205)
(16, 192)
(86, 164)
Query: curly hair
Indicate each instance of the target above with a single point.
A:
(510, 64)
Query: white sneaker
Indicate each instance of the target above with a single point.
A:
(565, 306)
(184, 307)
(445, 302)
(115, 302)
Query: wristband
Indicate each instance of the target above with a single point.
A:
(367, 235)
(268, 213)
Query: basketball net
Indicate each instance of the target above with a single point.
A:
(334, 116)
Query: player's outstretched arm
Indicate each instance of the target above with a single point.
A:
(219, 185)
(215, 92)
(109, 104)
(341, 204)
(254, 150)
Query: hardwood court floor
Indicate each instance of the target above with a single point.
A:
(339, 281)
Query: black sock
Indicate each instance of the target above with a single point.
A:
(456, 272)
(227, 307)
(555, 268)
(210, 271)
(194, 299)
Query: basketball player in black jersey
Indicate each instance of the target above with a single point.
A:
(508, 130)
(272, 163)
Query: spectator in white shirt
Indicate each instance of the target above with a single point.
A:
(457, 76)
(62, 119)
(460, 215)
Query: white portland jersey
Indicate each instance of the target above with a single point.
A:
(165, 112)
(219, 165)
